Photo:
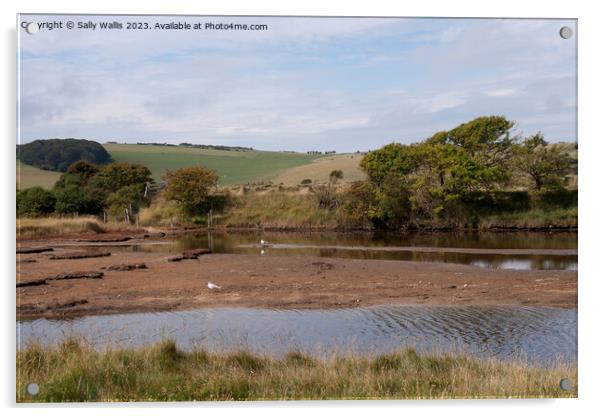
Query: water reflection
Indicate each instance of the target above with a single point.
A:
(536, 334)
(346, 244)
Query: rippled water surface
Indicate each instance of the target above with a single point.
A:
(537, 334)
(350, 245)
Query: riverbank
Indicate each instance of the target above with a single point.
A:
(73, 372)
(64, 280)
(287, 214)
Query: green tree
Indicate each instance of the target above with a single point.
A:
(59, 154)
(78, 174)
(72, 200)
(115, 176)
(130, 196)
(393, 159)
(546, 165)
(34, 202)
(429, 180)
(191, 188)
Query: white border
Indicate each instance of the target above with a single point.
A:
(589, 178)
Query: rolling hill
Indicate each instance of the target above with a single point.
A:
(233, 167)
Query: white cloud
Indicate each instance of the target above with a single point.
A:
(503, 92)
(307, 83)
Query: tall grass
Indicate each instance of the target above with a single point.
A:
(54, 226)
(72, 371)
(276, 209)
(534, 218)
(161, 213)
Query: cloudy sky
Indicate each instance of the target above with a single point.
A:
(305, 83)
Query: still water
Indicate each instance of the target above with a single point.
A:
(538, 335)
(558, 250)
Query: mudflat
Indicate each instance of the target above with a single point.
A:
(52, 284)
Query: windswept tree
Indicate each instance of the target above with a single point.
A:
(429, 179)
(191, 188)
(546, 165)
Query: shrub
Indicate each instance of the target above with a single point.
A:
(191, 187)
(35, 201)
(75, 200)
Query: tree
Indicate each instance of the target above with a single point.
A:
(545, 165)
(78, 174)
(392, 159)
(85, 169)
(130, 197)
(115, 176)
(59, 154)
(429, 180)
(191, 188)
(34, 202)
(73, 200)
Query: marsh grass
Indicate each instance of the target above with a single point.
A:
(278, 210)
(72, 371)
(50, 226)
(534, 218)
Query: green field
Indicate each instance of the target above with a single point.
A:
(233, 167)
(28, 176)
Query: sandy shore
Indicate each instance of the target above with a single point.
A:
(267, 282)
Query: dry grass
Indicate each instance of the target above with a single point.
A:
(73, 372)
(55, 226)
(161, 213)
(281, 210)
(319, 170)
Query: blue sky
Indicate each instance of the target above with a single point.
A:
(304, 84)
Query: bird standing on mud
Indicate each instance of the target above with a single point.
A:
(213, 286)
(264, 243)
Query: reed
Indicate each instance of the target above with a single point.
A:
(74, 372)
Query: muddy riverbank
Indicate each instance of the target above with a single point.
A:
(300, 282)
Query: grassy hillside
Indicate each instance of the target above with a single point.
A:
(28, 176)
(233, 167)
(320, 168)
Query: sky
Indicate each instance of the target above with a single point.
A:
(343, 84)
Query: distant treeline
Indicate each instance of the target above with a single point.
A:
(317, 152)
(200, 146)
(59, 154)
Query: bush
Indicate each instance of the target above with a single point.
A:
(75, 200)
(126, 197)
(191, 188)
(34, 202)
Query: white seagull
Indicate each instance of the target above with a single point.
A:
(213, 286)
(264, 243)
